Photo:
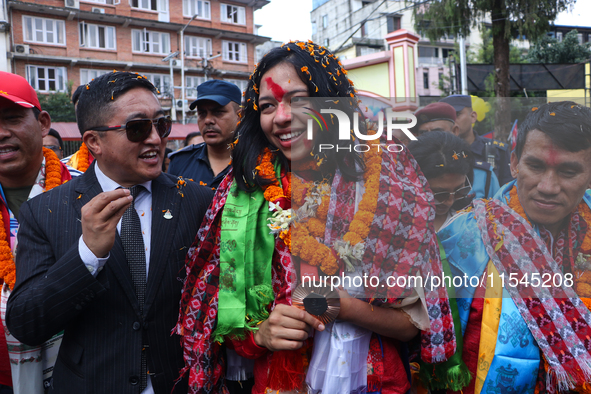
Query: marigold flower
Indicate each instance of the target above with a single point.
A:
(352, 238)
(330, 266)
(322, 210)
(272, 193)
(316, 227)
(357, 226)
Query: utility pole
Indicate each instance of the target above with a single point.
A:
(463, 69)
(183, 64)
(170, 59)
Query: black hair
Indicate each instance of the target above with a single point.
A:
(323, 74)
(566, 123)
(77, 93)
(438, 153)
(190, 136)
(97, 97)
(167, 151)
(54, 133)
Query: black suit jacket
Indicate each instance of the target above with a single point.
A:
(103, 328)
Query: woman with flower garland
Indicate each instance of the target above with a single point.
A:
(446, 161)
(357, 214)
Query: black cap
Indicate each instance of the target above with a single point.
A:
(221, 92)
(458, 101)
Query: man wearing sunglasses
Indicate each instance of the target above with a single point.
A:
(102, 258)
(442, 117)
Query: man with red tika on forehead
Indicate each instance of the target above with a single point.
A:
(526, 328)
(357, 214)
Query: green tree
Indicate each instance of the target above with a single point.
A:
(59, 105)
(550, 50)
(485, 54)
(437, 18)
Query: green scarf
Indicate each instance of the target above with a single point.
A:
(452, 374)
(246, 252)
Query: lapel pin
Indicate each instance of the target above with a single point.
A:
(167, 214)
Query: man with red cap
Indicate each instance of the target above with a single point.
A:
(27, 169)
(442, 117)
(435, 117)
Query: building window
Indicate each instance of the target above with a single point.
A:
(559, 36)
(233, 14)
(234, 51)
(160, 82)
(197, 7)
(87, 75)
(364, 29)
(393, 23)
(324, 21)
(44, 31)
(191, 84)
(97, 37)
(580, 38)
(47, 79)
(241, 83)
(197, 46)
(326, 42)
(426, 80)
(150, 41)
(446, 52)
(150, 5)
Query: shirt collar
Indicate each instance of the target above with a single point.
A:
(107, 184)
(203, 154)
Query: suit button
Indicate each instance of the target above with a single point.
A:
(136, 325)
(134, 380)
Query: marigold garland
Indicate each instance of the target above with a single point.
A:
(83, 158)
(317, 254)
(53, 178)
(273, 191)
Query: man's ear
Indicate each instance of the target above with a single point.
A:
(514, 162)
(93, 142)
(44, 120)
(455, 130)
(473, 117)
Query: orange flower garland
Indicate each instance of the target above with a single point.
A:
(83, 158)
(317, 254)
(53, 178)
(274, 191)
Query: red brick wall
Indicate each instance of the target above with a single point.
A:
(124, 52)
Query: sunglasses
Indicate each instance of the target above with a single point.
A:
(138, 130)
(462, 192)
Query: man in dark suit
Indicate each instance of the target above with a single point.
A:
(102, 265)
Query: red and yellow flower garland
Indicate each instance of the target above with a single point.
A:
(317, 254)
(273, 191)
(53, 178)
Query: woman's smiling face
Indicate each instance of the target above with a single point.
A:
(287, 132)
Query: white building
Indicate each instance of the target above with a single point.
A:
(354, 28)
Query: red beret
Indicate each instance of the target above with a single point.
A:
(435, 111)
